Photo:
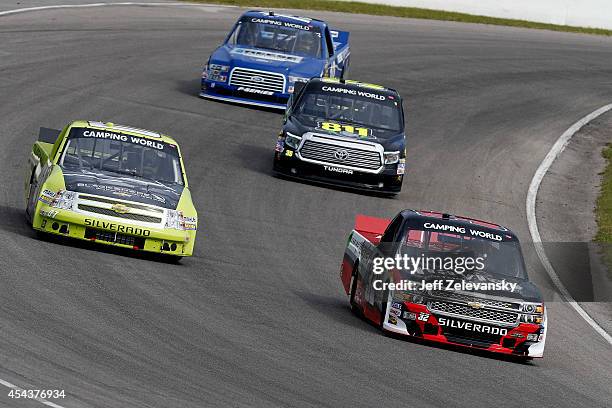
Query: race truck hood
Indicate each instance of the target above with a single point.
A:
(388, 139)
(524, 289)
(123, 188)
(267, 60)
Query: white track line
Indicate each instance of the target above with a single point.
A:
(532, 195)
(125, 3)
(41, 400)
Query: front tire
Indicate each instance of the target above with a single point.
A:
(173, 259)
(383, 310)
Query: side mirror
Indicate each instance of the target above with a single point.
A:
(47, 135)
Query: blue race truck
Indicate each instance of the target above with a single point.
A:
(266, 54)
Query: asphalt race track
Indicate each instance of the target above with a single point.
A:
(258, 317)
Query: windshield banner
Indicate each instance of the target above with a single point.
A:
(120, 137)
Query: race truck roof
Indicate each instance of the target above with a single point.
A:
(373, 227)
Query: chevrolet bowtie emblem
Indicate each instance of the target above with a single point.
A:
(120, 208)
(475, 305)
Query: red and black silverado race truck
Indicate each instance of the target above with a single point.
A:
(446, 279)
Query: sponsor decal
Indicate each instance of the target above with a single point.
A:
(281, 23)
(280, 145)
(357, 243)
(190, 223)
(338, 170)
(462, 230)
(396, 305)
(267, 55)
(355, 92)
(476, 327)
(255, 91)
(392, 319)
(410, 315)
(123, 191)
(48, 213)
(47, 197)
(117, 227)
(100, 134)
(401, 168)
(395, 312)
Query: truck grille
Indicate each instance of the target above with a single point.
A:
(456, 309)
(353, 156)
(467, 298)
(259, 80)
(127, 204)
(473, 339)
(111, 213)
(114, 237)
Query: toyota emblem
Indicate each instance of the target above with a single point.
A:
(341, 154)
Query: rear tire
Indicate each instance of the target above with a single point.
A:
(354, 307)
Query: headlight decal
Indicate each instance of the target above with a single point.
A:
(176, 220)
(392, 157)
(64, 200)
(292, 140)
(216, 72)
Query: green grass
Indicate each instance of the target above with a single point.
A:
(604, 202)
(603, 211)
(410, 12)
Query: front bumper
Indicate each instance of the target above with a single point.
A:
(417, 320)
(115, 233)
(288, 164)
(221, 91)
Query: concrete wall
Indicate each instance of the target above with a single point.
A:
(583, 13)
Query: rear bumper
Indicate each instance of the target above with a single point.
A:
(222, 92)
(120, 234)
(386, 182)
(425, 325)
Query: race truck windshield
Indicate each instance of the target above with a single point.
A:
(110, 152)
(442, 252)
(361, 107)
(285, 37)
